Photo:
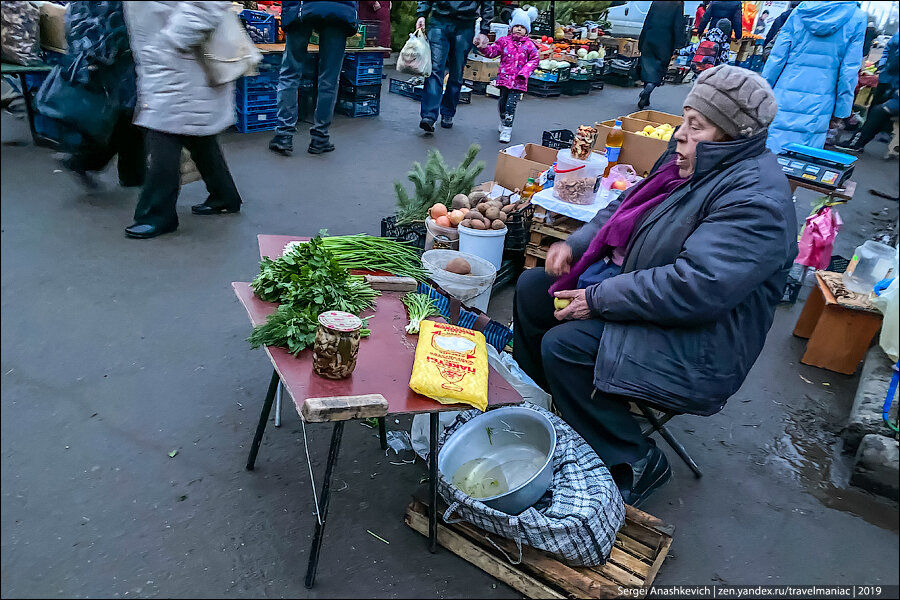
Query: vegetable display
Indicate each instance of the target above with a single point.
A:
(419, 306)
(436, 183)
(306, 280)
(376, 254)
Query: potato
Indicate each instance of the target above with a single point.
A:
(504, 200)
(459, 265)
(465, 223)
(492, 213)
(498, 224)
(496, 204)
(508, 209)
(501, 217)
(443, 221)
(460, 201)
(478, 225)
(482, 208)
(476, 197)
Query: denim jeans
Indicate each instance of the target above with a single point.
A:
(295, 63)
(450, 44)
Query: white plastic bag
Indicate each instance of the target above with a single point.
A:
(415, 56)
(889, 304)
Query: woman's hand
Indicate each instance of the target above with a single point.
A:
(420, 23)
(578, 309)
(481, 40)
(559, 259)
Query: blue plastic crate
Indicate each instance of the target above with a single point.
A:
(363, 68)
(495, 333)
(260, 120)
(261, 26)
(368, 107)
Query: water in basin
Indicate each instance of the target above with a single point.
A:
(501, 470)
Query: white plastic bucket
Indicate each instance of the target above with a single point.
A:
(582, 174)
(472, 290)
(433, 230)
(486, 243)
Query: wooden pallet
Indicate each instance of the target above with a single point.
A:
(640, 548)
(545, 230)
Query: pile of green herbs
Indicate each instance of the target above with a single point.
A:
(307, 281)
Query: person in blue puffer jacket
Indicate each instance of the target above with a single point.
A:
(813, 69)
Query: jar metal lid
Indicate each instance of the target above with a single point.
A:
(340, 321)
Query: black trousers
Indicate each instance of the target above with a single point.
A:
(127, 141)
(560, 357)
(156, 205)
(507, 103)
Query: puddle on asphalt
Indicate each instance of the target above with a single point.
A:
(811, 451)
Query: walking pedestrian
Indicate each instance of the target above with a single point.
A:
(450, 36)
(724, 9)
(886, 105)
(713, 49)
(334, 22)
(100, 53)
(180, 109)
(813, 68)
(663, 31)
(518, 58)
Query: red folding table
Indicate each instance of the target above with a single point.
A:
(384, 366)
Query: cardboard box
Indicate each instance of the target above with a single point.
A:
(53, 27)
(658, 117)
(517, 163)
(638, 151)
(627, 47)
(482, 71)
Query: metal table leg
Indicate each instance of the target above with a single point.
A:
(382, 433)
(432, 481)
(323, 504)
(278, 395)
(263, 419)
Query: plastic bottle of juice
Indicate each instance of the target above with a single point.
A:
(614, 141)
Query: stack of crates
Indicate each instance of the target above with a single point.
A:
(256, 101)
(360, 91)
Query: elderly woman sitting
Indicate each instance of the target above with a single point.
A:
(671, 295)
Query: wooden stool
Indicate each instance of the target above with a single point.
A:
(838, 323)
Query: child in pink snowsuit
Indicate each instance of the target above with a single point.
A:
(518, 58)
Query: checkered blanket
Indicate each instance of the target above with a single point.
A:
(576, 520)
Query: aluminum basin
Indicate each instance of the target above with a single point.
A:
(518, 452)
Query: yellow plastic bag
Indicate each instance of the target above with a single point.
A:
(451, 365)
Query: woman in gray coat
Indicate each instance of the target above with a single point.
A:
(673, 293)
(179, 109)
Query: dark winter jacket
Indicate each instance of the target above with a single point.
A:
(99, 49)
(458, 11)
(777, 24)
(723, 9)
(318, 13)
(663, 32)
(703, 272)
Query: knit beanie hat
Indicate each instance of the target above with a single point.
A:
(724, 25)
(737, 100)
(523, 18)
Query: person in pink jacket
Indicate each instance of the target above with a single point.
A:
(518, 58)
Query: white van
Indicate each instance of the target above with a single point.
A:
(627, 20)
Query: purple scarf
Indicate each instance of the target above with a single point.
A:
(617, 230)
